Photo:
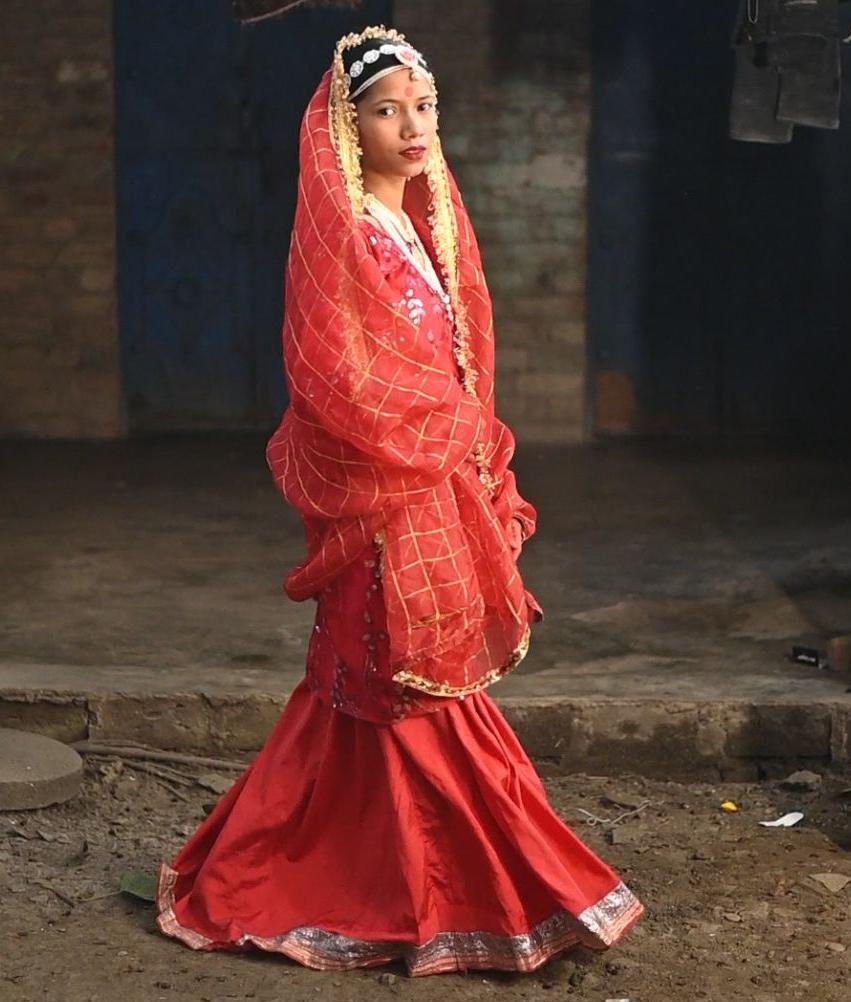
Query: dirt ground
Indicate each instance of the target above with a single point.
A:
(733, 909)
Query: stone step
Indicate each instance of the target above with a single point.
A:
(677, 739)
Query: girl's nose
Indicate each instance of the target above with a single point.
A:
(412, 127)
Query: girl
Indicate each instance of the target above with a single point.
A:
(392, 812)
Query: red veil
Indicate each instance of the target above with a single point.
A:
(380, 443)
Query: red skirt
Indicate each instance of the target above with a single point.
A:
(348, 844)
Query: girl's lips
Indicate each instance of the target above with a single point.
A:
(417, 153)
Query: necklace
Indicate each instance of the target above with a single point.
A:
(403, 232)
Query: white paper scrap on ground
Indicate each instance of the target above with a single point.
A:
(785, 822)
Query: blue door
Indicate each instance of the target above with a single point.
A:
(717, 269)
(207, 117)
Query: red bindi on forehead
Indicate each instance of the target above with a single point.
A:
(409, 91)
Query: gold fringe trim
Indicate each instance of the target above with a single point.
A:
(343, 113)
(485, 474)
(444, 233)
(444, 689)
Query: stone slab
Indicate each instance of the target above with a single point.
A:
(36, 770)
(661, 738)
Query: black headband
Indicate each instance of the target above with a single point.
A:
(375, 58)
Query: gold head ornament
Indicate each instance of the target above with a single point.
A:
(441, 219)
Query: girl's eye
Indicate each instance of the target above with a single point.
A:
(427, 104)
(382, 110)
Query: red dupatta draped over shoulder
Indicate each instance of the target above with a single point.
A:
(382, 442)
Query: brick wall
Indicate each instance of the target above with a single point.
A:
(513, 80)
(59, 367)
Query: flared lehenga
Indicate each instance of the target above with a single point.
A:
(351, 843)
(347, 843)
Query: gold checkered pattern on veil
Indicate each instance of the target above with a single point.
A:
(381, 441)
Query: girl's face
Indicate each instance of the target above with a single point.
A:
(397, 120)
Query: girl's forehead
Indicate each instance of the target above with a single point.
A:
(399, 84)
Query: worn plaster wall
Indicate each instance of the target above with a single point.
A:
(514, 81)
(59, 367)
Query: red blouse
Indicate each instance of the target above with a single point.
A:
(347, 657)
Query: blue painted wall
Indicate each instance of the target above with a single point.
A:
(717, 270)
(207, 117)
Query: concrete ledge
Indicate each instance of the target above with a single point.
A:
(660, 738)
(193, 722)
(682, 740)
